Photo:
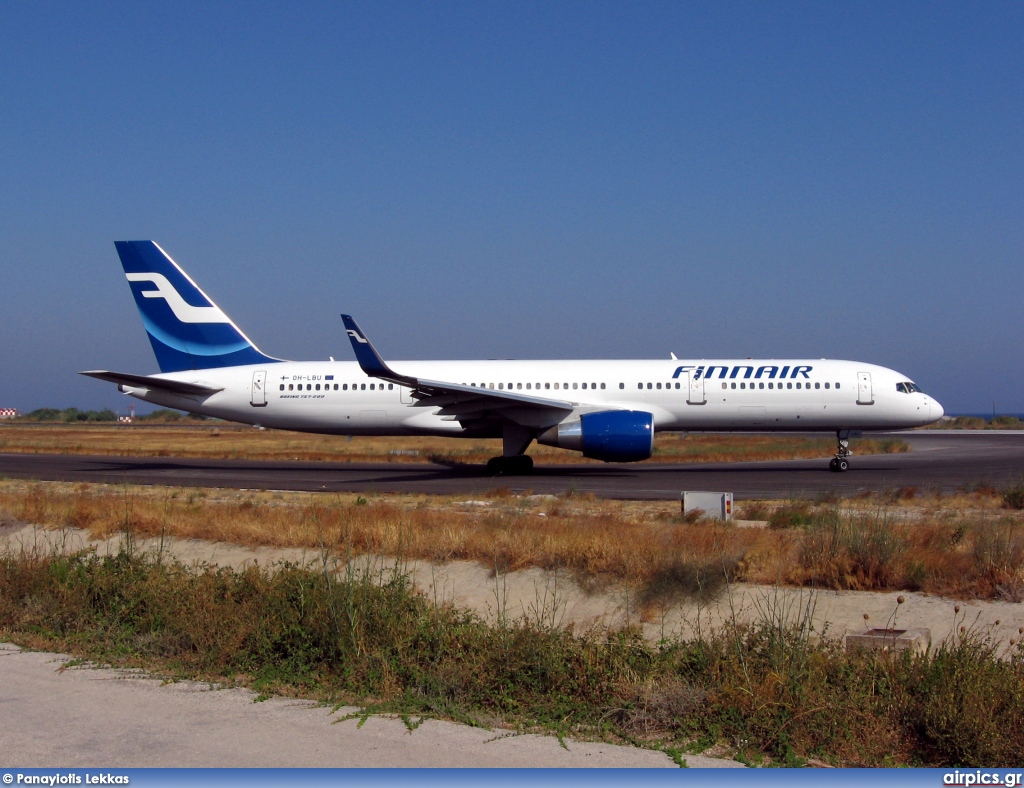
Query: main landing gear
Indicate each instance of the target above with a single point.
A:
(515, 439)
(841, 462)
(510, 466)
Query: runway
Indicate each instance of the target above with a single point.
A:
(939, 461)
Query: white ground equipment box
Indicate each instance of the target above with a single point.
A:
(715, 505)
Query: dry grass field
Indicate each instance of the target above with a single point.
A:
(969, 546)
(234, 442)
(773, 690)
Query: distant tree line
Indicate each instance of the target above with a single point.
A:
(72, 415)
(68, 415)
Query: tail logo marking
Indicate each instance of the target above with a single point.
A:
(357, 336)
(185, 312)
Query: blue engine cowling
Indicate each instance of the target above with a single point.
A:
(610, 435)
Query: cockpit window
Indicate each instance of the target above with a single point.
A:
(908, 388)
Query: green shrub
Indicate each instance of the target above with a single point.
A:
(791, 515)
(1013, 497)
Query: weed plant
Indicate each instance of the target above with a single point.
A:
(774, 691)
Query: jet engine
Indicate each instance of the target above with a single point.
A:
(610, 435)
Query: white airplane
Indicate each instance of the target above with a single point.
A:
(607, 410)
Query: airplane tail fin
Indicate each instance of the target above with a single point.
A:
(187, 330)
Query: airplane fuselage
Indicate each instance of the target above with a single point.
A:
(336, 397)
(606, 410)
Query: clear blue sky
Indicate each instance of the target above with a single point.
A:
(521, 180)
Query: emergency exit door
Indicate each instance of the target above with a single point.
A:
(695, 389)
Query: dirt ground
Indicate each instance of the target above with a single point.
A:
(555, 598)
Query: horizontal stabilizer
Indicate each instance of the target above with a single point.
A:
(152, 383)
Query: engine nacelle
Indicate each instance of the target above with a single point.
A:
(610, 435)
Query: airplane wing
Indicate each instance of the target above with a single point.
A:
(458, 401)
(154, 384)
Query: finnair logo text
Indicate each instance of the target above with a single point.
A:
(184, 311)
(745, 372)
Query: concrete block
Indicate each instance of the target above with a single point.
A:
(917, 639)
(714, 505)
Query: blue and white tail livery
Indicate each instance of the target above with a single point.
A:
(606, 410)
(187, 330)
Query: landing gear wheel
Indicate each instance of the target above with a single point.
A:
(840, 463)
(510, 466)
(522, 465)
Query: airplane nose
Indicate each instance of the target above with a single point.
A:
(935, 411)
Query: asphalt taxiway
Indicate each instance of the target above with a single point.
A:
(943, 461)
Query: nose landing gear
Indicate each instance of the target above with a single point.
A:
(840, 462)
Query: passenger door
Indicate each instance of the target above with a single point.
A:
(865, 396)
(259, 389)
